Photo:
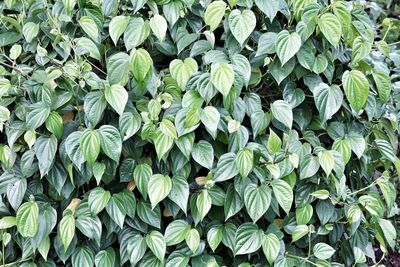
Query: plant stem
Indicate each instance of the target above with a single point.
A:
(362, 189)
(301, 258)
(3, 249)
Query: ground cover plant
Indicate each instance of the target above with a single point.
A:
(198, 132)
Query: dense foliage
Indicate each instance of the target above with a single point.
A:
(198, 132)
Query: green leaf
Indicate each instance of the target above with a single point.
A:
(356, 88)
(16, 192)
(357, 143)
(37, 115)
(304, 214)
(214, 237)
(105, 258)
(180, 192)
(214, 14)
(320, 64)
(45, 151)
(330, 27)
(116, 208)
(7, 222)
(323, 251)
(270, 8)
(117, 67)
(141, 175)
(257, 200)
(328, 100)
(54, 124)
(327, 161)
(136, 32)
(361, 49)
(90, 27)
(300, 231)
(343, 147)
(159, 26)
(27, 219)
(117, 97)
(193, 240)
(287, 45)
(168, 128)
(82, 256)
(158, 188)
(359, 256)
(5, 85)
(222, 77)
(85, 45)
(274, 142)
(66, 229)
(210, 117)
(383, 85)
(245, 161)
(163, 143)
(241, 24)
(117, 27)
(138, 248)
(283, 193)
(140, 64)
(271, 247)
(110, 142)
(156, 242)
(98, 200)
(90, 145)
(181, 71)
(389, 232)
(30, 30)
(44, 247)
(203, 154)
(248, 239)
(388, 190)
(176, 232)
(226, 167)
(203, 203)
(282, 112)
(266, 43)
(129, 124)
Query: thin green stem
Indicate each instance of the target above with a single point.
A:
(388, 29)
(362, 189)
(301, 258)
(3, 249)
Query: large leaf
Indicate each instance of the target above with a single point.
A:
(214, 14)
(117, 97)
(98, 199)
(203, 153)
(248, 239)
(282, 112)
(181, 71)
(27, 219)
(356, 88)
(328, 100)
(257, 200)
(283, 193)
(287, 45)
(110, 141)
(45, 151)
(159, 187)
(136, 32)
(90, 145)
(330, 27)
(241, 24)
(117, 27)
(222, 77)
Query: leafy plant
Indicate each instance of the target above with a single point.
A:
(201, 133)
